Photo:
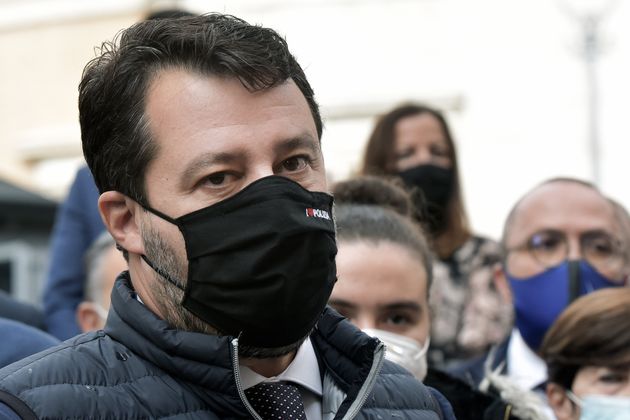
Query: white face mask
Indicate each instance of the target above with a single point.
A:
(595, 407)
(404, 351)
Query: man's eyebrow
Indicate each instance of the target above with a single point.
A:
(597, 231)
(304, 141)
(205, 160)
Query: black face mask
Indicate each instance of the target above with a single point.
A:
(436, 184)
(261, 264)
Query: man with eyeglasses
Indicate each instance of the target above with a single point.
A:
(563, 239)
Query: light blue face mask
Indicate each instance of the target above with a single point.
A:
(602, 407)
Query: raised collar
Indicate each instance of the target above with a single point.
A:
(341, 349)
(182, 354)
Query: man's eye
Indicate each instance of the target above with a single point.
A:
(216, 179)
(603, 246)
(545, 242)
(295, 163)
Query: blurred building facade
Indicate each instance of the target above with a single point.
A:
(26, 220)
(508, 75)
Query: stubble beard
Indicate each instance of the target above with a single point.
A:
(167, 297)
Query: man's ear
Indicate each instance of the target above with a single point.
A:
(501, 283)
(88, 317)
(561, 405)
(119, 214)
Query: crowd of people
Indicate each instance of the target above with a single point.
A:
(199, 268)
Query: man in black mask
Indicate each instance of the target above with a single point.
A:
(204, 139)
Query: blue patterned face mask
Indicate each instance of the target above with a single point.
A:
(539, 299)
(597, 407)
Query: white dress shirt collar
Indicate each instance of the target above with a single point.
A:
(524, 366)
(303, 370)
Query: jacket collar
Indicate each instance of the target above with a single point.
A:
(205, 360)
(342, 350)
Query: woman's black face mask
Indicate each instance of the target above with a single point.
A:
(436, 184)
(261, 264)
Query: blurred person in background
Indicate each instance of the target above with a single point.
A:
(16, 310)
(384, 277)
(103, 264)
(563, 239)
(587, 353)
(623, 220)
(20, 340)
(77, 226)
(414, 142)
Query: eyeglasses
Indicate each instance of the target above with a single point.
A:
(551, 247)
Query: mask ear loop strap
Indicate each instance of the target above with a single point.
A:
(160, 214)
(149, 263)
(574, 398)
(163, 273)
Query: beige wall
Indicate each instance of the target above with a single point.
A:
(41, 66)
(508, 74)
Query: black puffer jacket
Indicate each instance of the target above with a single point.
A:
(469, 403)
(139, 367)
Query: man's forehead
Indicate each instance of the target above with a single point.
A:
(561, 205)
(185, 104)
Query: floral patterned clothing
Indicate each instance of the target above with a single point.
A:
(468, 315)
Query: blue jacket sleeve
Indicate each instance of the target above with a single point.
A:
(7, 414)
(445, 406)
(20, 311)
(23, 340)
(77, 225)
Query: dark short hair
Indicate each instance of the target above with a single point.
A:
(592, 331)
(373, 210)
(379, 157)
(115, 133)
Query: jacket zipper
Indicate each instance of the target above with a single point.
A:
(237, 378)
(366, 388)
